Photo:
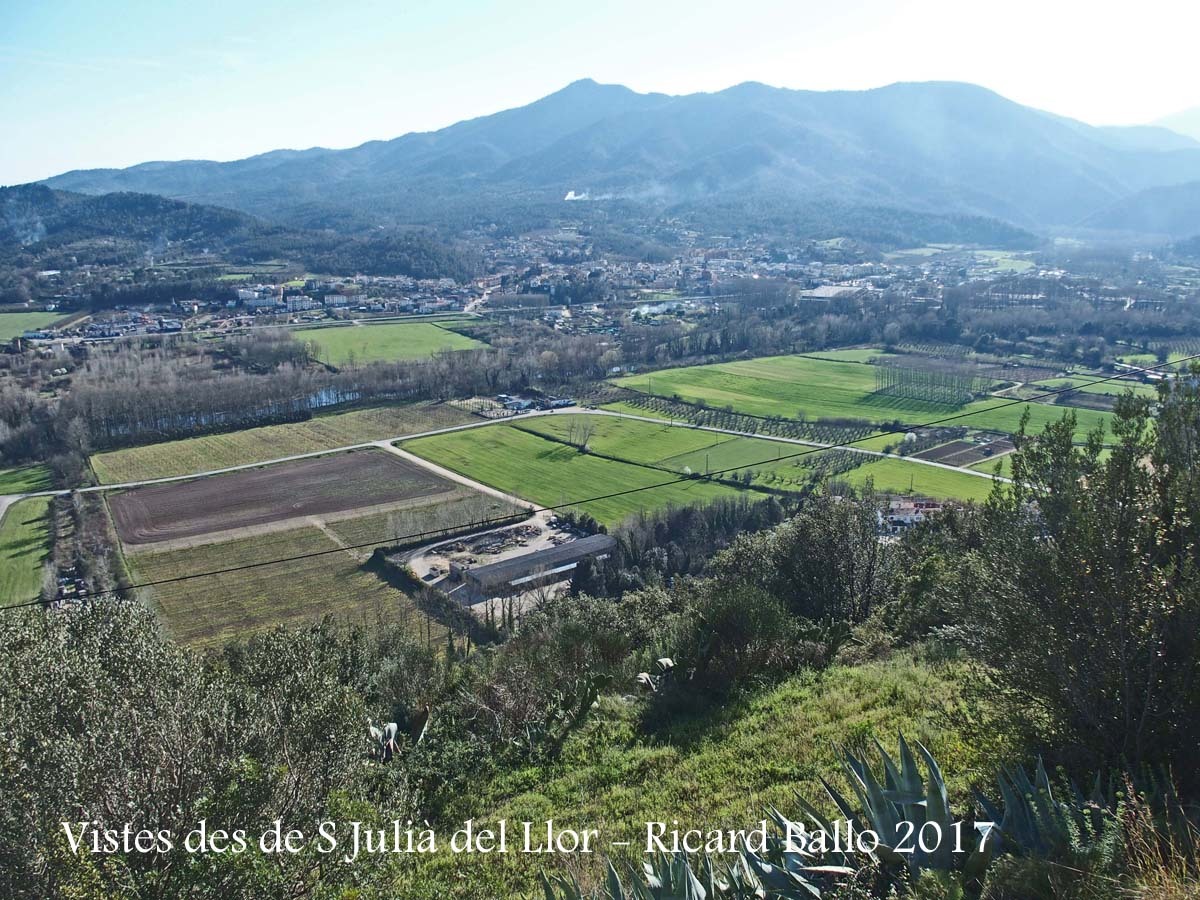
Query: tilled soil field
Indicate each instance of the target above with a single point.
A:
(310, 487)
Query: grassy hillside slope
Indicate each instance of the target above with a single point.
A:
(717, 768)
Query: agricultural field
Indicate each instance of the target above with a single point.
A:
(913, 255)
(988, 466)
(733, 452)
(390, 342)
(858, 354)
(24, 547)
(24, 480)
(1109, 388)
(685, 450)
(898, 476)
(270, 496)
(1183, 349)
(461, 508)
(1000, 465)
(1138, 359)
(780, 386)
(213, 609)
(1004, 260)
(15, 324)
(788, 385)
(551, 473)
(993, 415)
(634, 410)
(253, 445)
(639, 442)
(776, 465)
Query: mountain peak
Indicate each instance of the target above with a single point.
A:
(584, 86)
(939, 146)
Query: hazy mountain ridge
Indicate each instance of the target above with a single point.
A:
(936, 147)
(1185, 122)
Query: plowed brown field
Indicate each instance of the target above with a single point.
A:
(259, 497)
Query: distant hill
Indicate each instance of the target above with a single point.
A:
(34, 214)
(1186, 122)
(1166, 211)
(933, 148)
(42, 225)
(1145, 137)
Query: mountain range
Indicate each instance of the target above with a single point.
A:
(932, 148)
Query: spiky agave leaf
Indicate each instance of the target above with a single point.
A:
(937, 809)
(778, 881)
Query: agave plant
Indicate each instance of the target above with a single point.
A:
(1035, 823)
(672, 877)
(906, 806)
(910, 814)
(566, 711)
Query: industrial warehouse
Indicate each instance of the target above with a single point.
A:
(532, 570)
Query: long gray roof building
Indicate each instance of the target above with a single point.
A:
(540, 567)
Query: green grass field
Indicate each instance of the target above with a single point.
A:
(1112, 388)
(898, 476)
(24, 547)
(1139, 359)
(214, 609)
(15, 324)
(859, 354)
(550, 469)
(217, 451)
(787, 385)
(24, 480)
(550, 473)
(392, 341)
(928, 250)
(639, 442)
(989, 466)
(687, 450)
(1005, 462)
(1005, 260)
(718, 768)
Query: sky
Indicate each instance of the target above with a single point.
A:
(88, 84)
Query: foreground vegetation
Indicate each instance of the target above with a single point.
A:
(716, 767)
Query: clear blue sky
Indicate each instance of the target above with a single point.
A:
(89, 84)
